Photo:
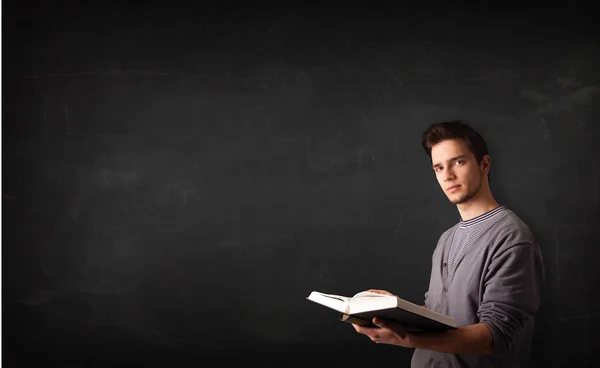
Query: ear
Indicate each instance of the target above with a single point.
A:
(486, 163)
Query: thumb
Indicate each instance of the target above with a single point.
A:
(381, 322)
(393, 326)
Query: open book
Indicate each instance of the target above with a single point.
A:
(362, 307)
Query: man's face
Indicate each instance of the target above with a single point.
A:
(456, 169)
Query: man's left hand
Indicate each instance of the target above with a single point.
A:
(389, 332)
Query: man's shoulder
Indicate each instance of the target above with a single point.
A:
(509, 221)
(510, 229)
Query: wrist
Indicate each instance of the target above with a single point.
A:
(413, 340)
(427, 340)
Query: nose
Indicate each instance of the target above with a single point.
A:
(449, 175)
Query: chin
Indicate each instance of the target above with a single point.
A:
(461, 199)
(455, 201)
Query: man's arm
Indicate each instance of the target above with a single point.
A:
(511, 297)
(472, 339)
(512, 294)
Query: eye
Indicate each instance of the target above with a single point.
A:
(459, 162)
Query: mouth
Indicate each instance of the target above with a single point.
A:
(453, 188)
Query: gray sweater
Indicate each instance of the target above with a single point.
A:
(495, 276)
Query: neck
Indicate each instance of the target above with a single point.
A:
(482, 202)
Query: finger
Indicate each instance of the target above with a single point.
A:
(384, 323)
(373, 337)
(378, 291)
(379, 322)
(395, 327)
(360, 329)
(365, 330)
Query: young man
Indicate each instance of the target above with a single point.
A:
(486, 270)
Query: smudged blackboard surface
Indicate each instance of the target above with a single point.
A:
(176, 179)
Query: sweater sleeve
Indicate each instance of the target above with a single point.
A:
(512, 293)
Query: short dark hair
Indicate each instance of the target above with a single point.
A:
(456, 129)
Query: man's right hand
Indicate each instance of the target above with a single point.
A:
(384, 292)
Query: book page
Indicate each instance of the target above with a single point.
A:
(345, 299)
(369, 294)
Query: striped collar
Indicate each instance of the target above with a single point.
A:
(482, 217)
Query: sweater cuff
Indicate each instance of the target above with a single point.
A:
(499, 345)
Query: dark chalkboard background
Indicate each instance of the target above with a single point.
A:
(176, 179)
